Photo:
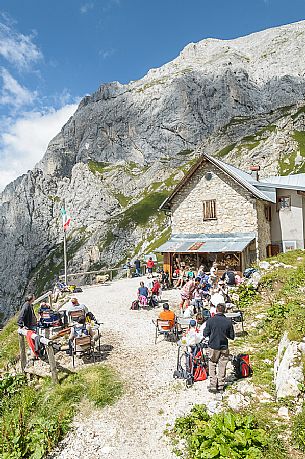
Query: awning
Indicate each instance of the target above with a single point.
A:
(207, 243)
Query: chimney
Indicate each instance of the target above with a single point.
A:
(255, 169)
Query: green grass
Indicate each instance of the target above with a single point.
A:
(97, 167)
(9, 348)
(123, 200)
(34, 419)
(185, 152)
(142, 211)
(298, 113)
(286, 163)
(224, 151)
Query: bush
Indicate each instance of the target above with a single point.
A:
(226, 435)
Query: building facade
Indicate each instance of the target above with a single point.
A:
(221, 213)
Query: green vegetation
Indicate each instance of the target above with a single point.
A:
(298, 429)
(287, 163)
(185, 152)
(298, 113)
(33, 419)
(223, 436)
(54, 198)
(9, 348)
(222, 153)
(97, 167)
(123, 200)
(141, 212)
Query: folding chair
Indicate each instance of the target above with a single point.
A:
(166, 332)
(75, 315)
(182, 324)
(88, 347)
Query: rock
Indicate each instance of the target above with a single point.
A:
(245, 387)
(301, 347)
(237, 401)
(283, 412)
(288, 373)
(264, 265)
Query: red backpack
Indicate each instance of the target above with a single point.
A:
(241, 365)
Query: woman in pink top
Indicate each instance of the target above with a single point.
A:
(187, 292)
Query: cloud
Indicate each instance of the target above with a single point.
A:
(18, 49)
(25, 140)
(12, 93)
(86, 7)
(106, 53)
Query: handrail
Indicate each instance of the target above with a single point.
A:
(45, 295)
(90, 272)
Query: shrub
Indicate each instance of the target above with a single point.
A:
(225, 435)
(298, 430)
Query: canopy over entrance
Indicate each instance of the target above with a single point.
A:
(207, 243)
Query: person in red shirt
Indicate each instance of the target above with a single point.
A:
(156, 288)
(150, 265)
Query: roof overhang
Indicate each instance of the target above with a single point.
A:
(207, 243)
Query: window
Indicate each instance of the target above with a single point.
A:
(268, 213)
(283, 203)
(209, 210)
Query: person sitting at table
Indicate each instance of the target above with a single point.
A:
(80, 329)
(156, 288)
(167, 314)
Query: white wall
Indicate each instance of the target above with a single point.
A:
(287, 224)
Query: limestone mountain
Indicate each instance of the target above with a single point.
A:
(126, 146)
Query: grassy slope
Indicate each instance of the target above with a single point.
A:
(278, 307)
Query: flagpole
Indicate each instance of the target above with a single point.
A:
(65, 244)
(65, 257)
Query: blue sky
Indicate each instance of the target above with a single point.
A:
(53, 52)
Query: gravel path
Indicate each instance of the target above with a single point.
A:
(133, 427)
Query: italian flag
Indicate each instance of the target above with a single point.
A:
(66, 219)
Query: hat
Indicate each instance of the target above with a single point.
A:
(192, 323)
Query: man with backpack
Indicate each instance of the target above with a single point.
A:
(218, 329)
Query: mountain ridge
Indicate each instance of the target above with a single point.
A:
(127, 146)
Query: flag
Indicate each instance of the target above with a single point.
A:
(66, 219)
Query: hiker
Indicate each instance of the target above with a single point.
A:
(187, 292)
(149, 266)
(167, 314)
(137, 264)
(79, 329)
(143, 294)
(218, 329)
(229, 277)
(156, 288)
(27, 317)
(128, 268)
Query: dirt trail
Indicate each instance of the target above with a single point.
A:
(133, 427)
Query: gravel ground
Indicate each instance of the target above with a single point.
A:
(133, 427)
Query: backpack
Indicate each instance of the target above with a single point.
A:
(241, 365)
(135, 306)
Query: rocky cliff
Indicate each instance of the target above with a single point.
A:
(126, 146)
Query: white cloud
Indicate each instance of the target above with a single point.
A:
(86, 7)
(105, 53)
(12, 93)
(25, 141)
(16, 48)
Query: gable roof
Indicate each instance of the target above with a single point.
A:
(242, 178)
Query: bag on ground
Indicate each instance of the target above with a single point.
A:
(241, 365)
(135, 305)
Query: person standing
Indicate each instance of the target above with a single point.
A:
(218, 329)
(150, 265)
(137, 264)
(27, 317)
